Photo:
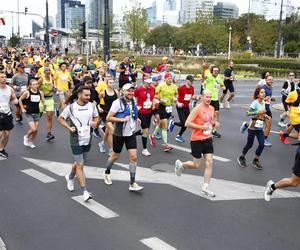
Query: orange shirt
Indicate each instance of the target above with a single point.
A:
(201, 115)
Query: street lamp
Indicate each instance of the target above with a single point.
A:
(47, 29)
(229, 43)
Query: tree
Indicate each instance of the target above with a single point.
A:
(136, 25)
(162, 36)
(14, 40)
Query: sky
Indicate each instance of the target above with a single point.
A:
(38, 6)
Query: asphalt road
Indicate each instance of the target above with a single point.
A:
(37, 215)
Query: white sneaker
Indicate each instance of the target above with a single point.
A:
(70, 183)
(32, 145)
(145, 152)
(282, 124)
(227, 105)
(269, 191)
(101, 147)
(135, 187)
(178, 167)
(206, 191)
(221, 105)
(86, 196)
(25, 141)
(110, 152)
(107, 178)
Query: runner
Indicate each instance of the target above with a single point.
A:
(144, 97)
(82, 115)
(293, 181)
(147, 70)
(288, 86)
(201, 121)
(228, 82)
(108, 95)
(185, 95)
(7, 95)
(46, 85)
(213, 82)
(112, 64)
(9, 71)
(124, 114)
(259, 115)
(33, 97)
(167, 94)
(125, 72)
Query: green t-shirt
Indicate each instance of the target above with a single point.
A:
(166, 92)
(210, 83)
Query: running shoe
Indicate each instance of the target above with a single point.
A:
(135, 187)
(101, 147)
(70, 183)
(227, 105)
(107, 179)
(269, 190)
(267, 143)
(281, 137)
(3, 153)
(206, 191)
(49, 137)
(171, 125)
(96, 132)
(179, 138)
(282, 124)
(242, 161)
(87, 196)
(256, 164)
(178, 167)
(221, 105)
(145, 152)
(167, 148)
(244, 127)
(158, 136)
(286, 141)
(152, 140)
(31, 144)
(216, 134)
(25, 141)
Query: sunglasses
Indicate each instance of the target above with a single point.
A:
(291, 75)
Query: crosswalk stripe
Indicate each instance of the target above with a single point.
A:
(155, 243)
(38, 175)
(96, 207)
(218, 158)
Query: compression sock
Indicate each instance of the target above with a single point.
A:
(164, 134)
(144, 141)
(132, 170)
(108, 166)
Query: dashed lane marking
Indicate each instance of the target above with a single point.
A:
(38, 175)
(155, 243)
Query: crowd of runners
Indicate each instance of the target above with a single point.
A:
(105, 100)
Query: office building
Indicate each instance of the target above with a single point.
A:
(226, 10)
(190, 9)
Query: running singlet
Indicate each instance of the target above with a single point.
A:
(185, 95)
(166, 92)
(145, 98)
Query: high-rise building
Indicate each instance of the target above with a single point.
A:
(60, 16)
(74, 14)
(226, 10)
(190, 9)
(35, 28)
(95, 13)
(270, 9)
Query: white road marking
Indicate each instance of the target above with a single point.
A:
(218, 158)
(96, 207)
(2, 158)
(275, 132)
(38, 175)
(155, 243)
(224, 189)
(249, 96)
(2, 244)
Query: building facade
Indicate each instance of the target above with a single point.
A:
(270, 9)
(190, 9)
(226, 10)
(74, 14)
(95, 13)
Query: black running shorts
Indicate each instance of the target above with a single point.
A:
(202, 147)
(119, 141)
(6, 122)
(296, 168)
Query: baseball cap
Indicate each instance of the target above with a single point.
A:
(156, 78)
(148, 80)
(168, 75)
(127, 86)
(21, 65)
(190, 78)
(47, 69)
(165, 58)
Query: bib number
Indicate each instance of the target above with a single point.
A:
(4, 107)
(84, 132)
(8, 80)
(64, 78)
(209, 130)
(259, 124)
(169, 109)
(27, 70)
(35, 98)
(147, 105)
(187, 97)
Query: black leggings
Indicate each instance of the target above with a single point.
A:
(183, 114)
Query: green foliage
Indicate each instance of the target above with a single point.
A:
(14, 41)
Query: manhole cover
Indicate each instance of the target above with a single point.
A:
(163, 167)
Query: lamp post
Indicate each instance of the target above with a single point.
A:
(106, 31)
(47, 29)
(229, 43)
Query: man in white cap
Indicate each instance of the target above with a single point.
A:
(124, 114)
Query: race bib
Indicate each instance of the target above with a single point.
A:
(209, 130)
(169, 109)
(63, 77)
(187, 97)
(27, 70)
(147, 105)
(8, 80)
(259, 124)
(23, 88)
(4, 107)
(84, 132)
(35, 98)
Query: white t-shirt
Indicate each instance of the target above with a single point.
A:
(80, 117)
(112, 64)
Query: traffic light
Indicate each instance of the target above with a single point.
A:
(82, 30)
(26, 10)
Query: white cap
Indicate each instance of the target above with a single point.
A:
(148, 80)
(127, 86)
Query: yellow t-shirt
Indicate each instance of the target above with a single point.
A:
(294, 115)
(62, 80)
(207, 73)
(30, 60)
(98, 63)
(101, 87)
(41, 71)
(166, 92)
